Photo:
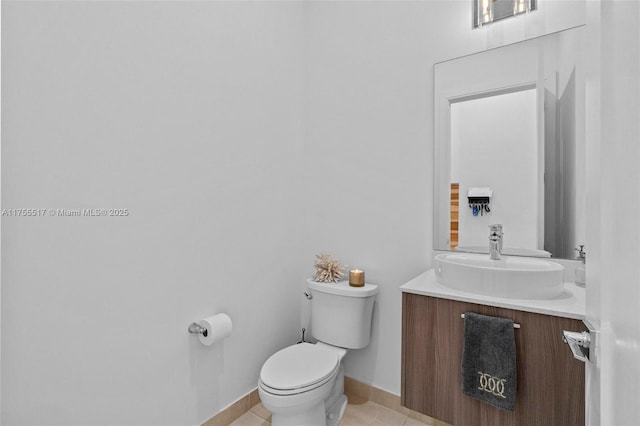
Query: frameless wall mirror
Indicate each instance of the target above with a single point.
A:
(487, 11)
(510, 122)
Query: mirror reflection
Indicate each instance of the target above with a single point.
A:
(509, 124)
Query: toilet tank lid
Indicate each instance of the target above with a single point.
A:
(342, 288)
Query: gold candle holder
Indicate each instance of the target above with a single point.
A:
(356, 278)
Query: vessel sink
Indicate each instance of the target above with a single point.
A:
(509, 277)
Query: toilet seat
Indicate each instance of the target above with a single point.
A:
(298, 369)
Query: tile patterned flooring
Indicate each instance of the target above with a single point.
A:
(365, 414)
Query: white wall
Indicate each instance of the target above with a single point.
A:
(189, 115)
(613, 273)
(494, 143)
(369, 157)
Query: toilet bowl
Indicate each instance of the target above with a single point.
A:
(303, 384)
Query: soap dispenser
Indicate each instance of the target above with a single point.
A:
(580, 268)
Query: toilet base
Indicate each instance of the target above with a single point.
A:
(326, 412)
(318, 415)
(336, 402)
(311, 416)
(335, 413)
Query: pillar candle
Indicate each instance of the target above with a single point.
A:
(356, 278)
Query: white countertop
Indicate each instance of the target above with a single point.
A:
(569, 304)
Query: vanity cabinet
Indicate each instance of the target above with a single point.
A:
(550, 382)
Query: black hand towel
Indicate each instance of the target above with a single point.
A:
(489, 360)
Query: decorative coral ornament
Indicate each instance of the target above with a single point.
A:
(328, 269)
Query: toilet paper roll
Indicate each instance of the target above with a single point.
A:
(217, 328)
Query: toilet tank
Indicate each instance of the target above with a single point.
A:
(341, 314)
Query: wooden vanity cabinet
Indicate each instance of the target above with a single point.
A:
(550, 382)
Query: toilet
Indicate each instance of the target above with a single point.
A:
(303, 384)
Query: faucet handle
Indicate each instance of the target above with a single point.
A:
(582, 255)
(495, 228)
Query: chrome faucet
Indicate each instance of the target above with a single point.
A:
(495, 242)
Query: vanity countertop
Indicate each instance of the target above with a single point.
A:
(569, 304)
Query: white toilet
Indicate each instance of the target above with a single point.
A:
(304, 384)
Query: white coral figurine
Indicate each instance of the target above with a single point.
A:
(328, 269)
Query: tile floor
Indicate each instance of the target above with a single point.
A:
(365, 414)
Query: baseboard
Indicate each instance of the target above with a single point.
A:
(235, 410)
(358, 393)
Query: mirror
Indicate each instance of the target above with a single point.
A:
(509, 132)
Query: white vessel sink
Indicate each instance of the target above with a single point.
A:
(510, 277)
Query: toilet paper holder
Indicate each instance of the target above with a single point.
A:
(196, 328)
